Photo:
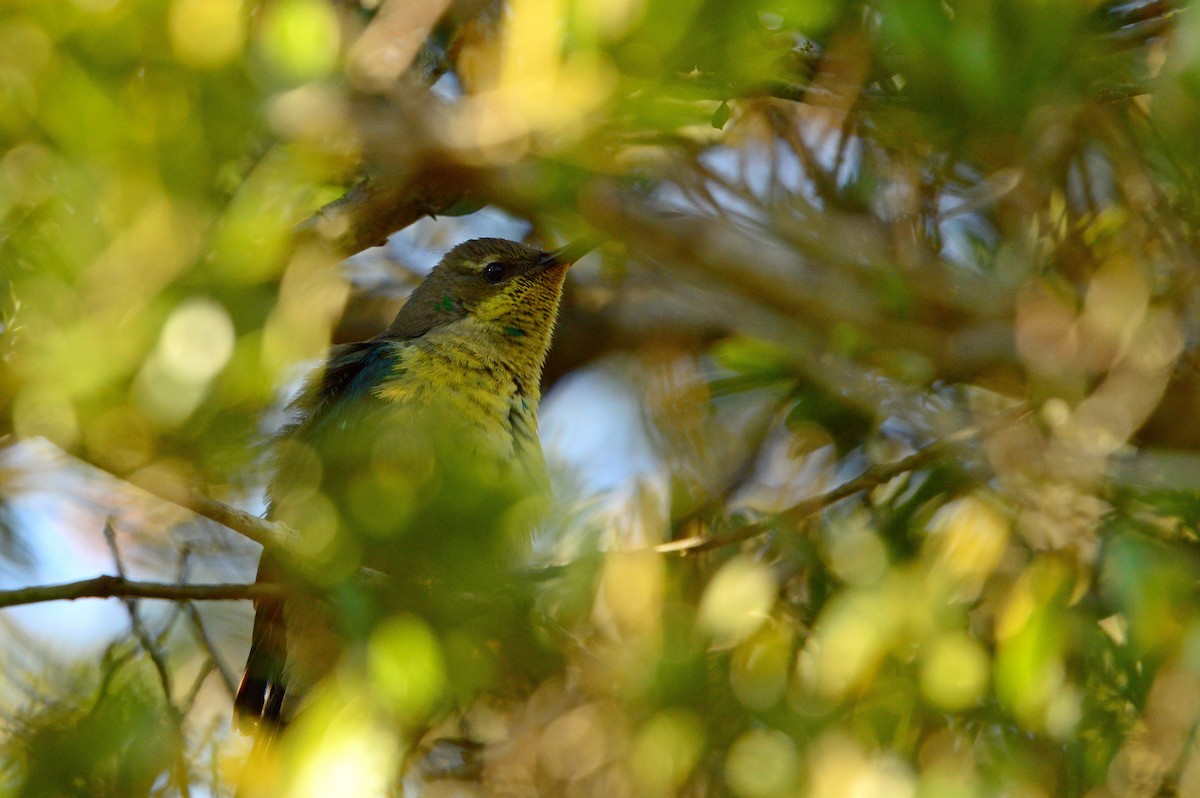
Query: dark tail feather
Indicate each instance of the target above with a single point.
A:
(260, 695)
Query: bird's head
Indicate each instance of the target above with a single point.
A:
(504, 288)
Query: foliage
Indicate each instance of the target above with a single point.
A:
(835, 233)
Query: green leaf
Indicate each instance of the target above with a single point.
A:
(721, 115)
(753, 356)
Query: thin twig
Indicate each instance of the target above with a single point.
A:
(181, 578)
(159, 660)
(189, 700)
(227, 676)
(872, 477)
(116, 655)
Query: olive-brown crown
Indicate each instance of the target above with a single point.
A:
(508, 288)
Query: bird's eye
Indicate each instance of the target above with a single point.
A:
(494, 272)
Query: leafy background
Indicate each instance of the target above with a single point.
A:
(836, 236)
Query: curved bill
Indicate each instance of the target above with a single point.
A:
(571, 252)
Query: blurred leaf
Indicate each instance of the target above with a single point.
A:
(968, 222)
(721, 115)
(1153, 585)
(848, 425)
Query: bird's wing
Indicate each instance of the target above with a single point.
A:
(335, 396)
(350, 374)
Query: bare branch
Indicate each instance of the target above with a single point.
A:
(159, 658)
(227, 676)
(872, 477)
(118, 587)
(268, 534)
(367, 214)
(193, 693)
(389, 44)
(960, 332)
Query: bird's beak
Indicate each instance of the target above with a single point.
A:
(565, 256)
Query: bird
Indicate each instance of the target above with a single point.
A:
(464, 359)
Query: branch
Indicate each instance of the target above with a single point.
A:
(960, 321)
(227, 676)
(119, 587)
(158, 658)
(872, 477)
(384, 51)
(269, 535)
(371, 211)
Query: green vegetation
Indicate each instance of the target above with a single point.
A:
(942, 252)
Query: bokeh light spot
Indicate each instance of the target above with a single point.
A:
(666, 750)
(759, 670)
(762, 764)
(968, 539)
(197, 340)
(339, 748)
(737, 600)
(954, 671)
(300, 39)
(206, 33)
(856, 552)
(406, 665)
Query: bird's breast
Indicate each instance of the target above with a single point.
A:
(467, 384)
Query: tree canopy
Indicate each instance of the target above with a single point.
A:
(889, 329)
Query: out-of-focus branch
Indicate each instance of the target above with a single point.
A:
(961, 337)
(386, 48)
(366, 215)
(872, 477)
(118, 587)
(228, 678)
(153, 649)
(1133, 24)
(280, 539)
(270, 535)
